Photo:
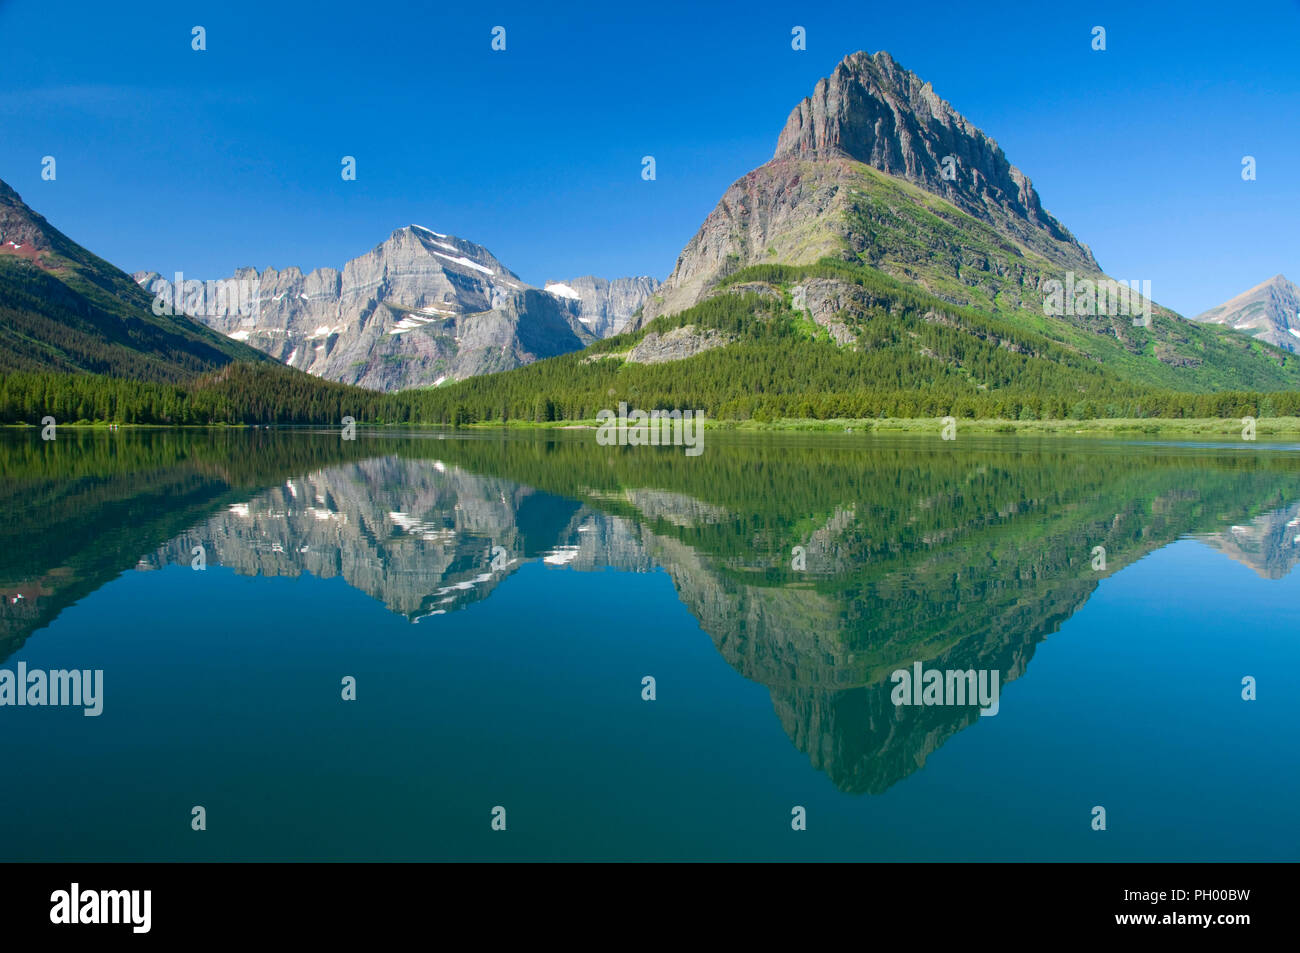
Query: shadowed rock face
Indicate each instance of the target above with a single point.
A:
(420, 309)
(873, 110)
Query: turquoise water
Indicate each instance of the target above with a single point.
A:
(499, 600)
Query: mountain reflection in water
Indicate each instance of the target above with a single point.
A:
(959, 555)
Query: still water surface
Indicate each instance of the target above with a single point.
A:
(500, 599)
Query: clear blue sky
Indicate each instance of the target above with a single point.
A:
(171, 159)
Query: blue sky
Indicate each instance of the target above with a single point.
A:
(173, 159)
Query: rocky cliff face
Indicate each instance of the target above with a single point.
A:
(604, 307)
(420, 309)
(1269, 311)
(873, 143)
(872, 110)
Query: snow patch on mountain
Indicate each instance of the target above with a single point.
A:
(563, 290)
(462, 260)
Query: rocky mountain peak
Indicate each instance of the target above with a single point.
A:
(421, 308)
(448, 251)
(873, 110)
(860, 168)
(1270, 311)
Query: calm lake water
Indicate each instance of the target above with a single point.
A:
(499, 601)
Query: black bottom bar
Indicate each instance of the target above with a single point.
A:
(338, 901)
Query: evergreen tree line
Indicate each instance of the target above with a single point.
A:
(256, 395)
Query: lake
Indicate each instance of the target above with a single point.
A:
(629, 653)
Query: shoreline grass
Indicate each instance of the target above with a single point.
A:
(1138, 426)
(1142, 426)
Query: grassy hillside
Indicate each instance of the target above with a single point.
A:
(919, 238)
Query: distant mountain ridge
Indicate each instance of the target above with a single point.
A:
(420, 309)
(1270, 312)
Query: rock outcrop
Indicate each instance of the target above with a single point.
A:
(677, 344)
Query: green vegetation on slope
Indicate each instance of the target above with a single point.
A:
(914, 356)
(922, 239)
(80, 319)
(259, 393)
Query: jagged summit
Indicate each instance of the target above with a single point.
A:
(455, 253)
(873, 110)
(419, 309)
(874, 166)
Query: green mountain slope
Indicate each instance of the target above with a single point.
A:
(63, 309)
(921, 238)
(865, 217)
(890, 350)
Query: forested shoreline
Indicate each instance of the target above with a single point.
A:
(246, 395)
